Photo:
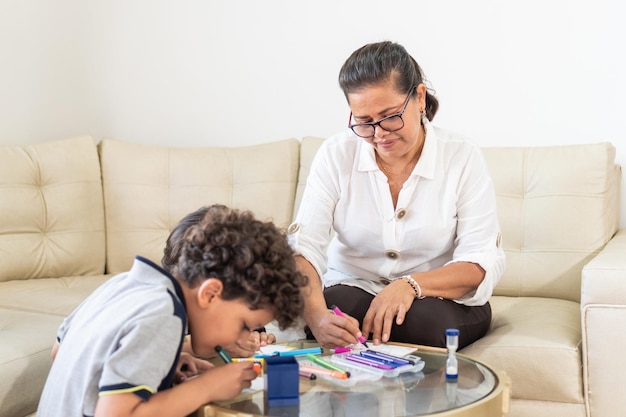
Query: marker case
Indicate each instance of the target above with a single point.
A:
(340, 359)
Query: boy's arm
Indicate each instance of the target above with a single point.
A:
(220, 383)
(55, 349)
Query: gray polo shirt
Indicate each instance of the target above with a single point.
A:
(125, 337)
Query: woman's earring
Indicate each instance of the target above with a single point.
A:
(423, 115)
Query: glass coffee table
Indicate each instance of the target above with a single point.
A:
(479, 391)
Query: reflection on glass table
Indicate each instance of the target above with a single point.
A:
(409, 394)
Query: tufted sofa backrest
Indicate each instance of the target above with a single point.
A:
(148, 189)
(51, 210)
(557, 207)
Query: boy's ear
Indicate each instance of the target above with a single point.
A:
(209, 291)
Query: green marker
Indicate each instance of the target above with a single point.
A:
(325, 364)
(225, 356)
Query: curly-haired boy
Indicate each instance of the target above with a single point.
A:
(117, 353)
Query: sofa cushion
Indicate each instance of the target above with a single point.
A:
(52, 221)
(537, 342)
(25, 362)
(57, 296)
(148, 189)
(558, 206)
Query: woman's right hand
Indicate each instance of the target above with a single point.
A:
(331, 330)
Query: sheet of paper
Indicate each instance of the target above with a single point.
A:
(392, 349)
(270, 349)
(258, 383)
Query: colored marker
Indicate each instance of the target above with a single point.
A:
(369, 362)
(379, 360)
(225, 356)
(300, 352)
(321, 371)
(325, 364)
(386, 358)
(255, 360)
(307, 373)
(342, 350)
(338, 312)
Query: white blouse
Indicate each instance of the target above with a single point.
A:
(347, 228)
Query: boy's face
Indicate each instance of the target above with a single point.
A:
(214, 321)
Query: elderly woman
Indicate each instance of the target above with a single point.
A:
(397, 226)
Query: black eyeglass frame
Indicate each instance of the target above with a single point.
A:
(378, 123)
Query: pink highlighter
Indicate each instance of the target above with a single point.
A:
(340, 314)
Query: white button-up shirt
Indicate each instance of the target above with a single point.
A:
(348, 229)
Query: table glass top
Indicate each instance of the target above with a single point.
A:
(408, 394)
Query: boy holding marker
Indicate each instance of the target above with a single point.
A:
(190, 364)
(119, 350)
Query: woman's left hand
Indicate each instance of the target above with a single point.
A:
(392, 302)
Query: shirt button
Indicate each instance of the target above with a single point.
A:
(392, 254)
(400, 213)
(293, 228)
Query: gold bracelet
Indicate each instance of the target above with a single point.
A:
(416, 287)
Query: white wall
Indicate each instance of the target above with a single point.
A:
(230, 73)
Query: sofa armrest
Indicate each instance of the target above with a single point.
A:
(604, 277)
(603, 304)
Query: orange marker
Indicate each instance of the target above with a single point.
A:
(323, 371)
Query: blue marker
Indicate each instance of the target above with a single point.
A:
(300, 352)
(387, 358)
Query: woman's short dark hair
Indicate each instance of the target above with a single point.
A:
(252, 259)
(374, 63)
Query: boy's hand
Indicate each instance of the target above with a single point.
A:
(189, 366)
(251, 345)
(229, 380)
(266, 338)
(217, 383)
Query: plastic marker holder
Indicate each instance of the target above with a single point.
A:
(387, 358)
(369, 362)
(325, 364)
(358, 363)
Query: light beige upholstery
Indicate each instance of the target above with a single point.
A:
(148, 189)
(52, 252)
(603, 316)
(558, 207)
(557, 312)
(52, 215)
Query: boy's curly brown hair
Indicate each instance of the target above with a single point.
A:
(252, 259)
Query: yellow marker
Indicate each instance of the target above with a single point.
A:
(258, 364)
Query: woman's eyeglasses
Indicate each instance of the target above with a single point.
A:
(390, 123)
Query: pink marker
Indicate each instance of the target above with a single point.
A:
(340, 314)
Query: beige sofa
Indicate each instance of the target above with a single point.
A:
(73, 212)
